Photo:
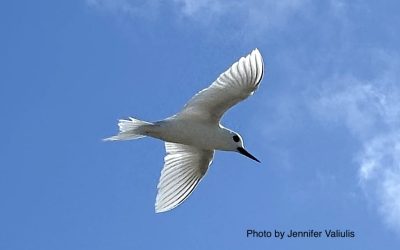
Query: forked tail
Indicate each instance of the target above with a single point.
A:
(130, 129)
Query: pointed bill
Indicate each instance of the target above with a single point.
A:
(246, 153)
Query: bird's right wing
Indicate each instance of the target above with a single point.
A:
(234, 85)
(184, 167)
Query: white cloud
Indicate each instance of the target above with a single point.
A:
(357, 105)
(201, 7)
(380, 174)
(371, 111)
(258, 14)
(249, 12)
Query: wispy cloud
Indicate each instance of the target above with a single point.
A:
(380, 174)
(371, 111)
(259, 14)
(263, 13)
(193, 8)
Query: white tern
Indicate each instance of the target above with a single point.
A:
(192, 135)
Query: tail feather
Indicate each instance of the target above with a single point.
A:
(129, 130)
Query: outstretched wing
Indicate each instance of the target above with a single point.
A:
(231, 87)
(183, 169)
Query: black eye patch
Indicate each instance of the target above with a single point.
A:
(236, 138)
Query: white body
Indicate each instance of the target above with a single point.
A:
(198, 134)
(192, 135)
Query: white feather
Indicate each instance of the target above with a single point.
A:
(234, 85)
(184, 167)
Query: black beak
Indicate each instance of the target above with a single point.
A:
(244, 152)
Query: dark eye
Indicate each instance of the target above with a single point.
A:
(236, 138)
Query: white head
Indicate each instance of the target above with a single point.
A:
(234, 142)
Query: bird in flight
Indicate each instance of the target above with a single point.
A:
(192, 135)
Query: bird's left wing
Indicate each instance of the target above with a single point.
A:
(231, 87)
(184, 167)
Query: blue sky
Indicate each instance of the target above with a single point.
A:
(324, 123)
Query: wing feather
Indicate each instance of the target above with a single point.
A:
(184, 167)
(234, 85)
